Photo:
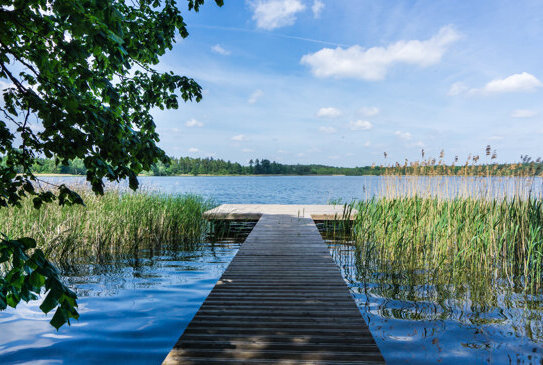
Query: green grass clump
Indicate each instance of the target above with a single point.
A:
(113, 224)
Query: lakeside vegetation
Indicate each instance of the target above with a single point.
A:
(461, 239)
(114, 224)
(211, 166)
(461, 230)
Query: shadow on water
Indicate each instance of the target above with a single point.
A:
(423, 316)
(133, 306)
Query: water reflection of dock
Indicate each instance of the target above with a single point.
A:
(282, 299)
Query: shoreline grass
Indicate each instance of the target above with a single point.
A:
(113, 224)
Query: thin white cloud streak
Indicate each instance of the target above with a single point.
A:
(329, 112)
(273, 34)
(406, 136)
(327, 130)
(272, 14)
(193, 123)
(193, 150)
(523, 113)
(369, 111)
(220, 50)
(373, 64)
(239, 138)
(257, 94)
(457, 88)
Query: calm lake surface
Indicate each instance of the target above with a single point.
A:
(134, 309)
(323, 189)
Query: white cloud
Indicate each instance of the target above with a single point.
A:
(360, 125)
(220, 50)
(239, 138)
(317, 8)
(257, 94)
(193, 123)
(457, 88)
(367, 144)
(271, 14)
(514, 83)
(523, 113)
(496, 138)
(372, 64)
(522, 82)
(329, 112)
(193, 150)
(369, 111)
(247, 150)
(406, 136)
(327, 130)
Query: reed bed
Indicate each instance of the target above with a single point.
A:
(460, 237)
(480, 228)
(113, 224)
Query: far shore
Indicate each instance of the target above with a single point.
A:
(206, 175)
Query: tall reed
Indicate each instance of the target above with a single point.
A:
(462, 223)
(460, 236)
(112, 224)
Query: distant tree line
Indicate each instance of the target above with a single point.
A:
(212, 166)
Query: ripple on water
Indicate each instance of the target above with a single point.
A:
(128, 314)
(418, 322)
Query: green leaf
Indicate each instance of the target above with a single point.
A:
(12, 300)
(50, 301)
(36, 280)
(59, 318)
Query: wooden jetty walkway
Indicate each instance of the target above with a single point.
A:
(282, 299)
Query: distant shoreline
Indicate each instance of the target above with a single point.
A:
(204, 175)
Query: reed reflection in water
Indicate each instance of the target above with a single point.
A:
(133, 307)
(422, 316)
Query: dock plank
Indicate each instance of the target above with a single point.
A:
(282, 300)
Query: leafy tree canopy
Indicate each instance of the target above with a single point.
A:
(81, 84)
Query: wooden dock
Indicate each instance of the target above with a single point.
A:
(282, 299)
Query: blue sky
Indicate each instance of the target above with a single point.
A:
(342, 81)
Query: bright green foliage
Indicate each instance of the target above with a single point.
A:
(82, 71)
(27, 275)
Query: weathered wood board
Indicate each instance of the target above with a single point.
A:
(282, 300)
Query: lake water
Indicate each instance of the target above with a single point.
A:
(416, 319)
(134, 309)
(323, 189)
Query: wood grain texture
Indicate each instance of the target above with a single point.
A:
(282, 300)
